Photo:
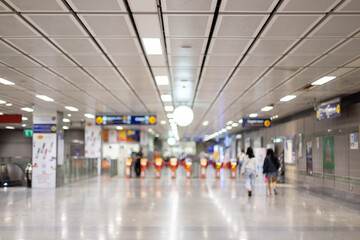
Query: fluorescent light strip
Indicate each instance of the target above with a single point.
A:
(169, 108)
(26, 109)
(162, 122)
(45, 98)
(152, 46)
(267, 108)
(323, 80)
(162, 80)
(119, 128)
(205, 123)
(287, 98)
(8, 104)
(66, 120)
(24, 118)
(10, 127)
(2, 102)
(73, 109)
(6, 82)
(65, 127)
(166, 98)
(252, 115)
(89, 115)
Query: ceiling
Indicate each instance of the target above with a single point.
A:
(225, 59)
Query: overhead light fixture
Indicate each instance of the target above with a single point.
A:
(267, 108)
(26, 109)
(205, 123)
(45, 98)
(171, 141)
(24, 118)
(65, 127)
(1, 113)
(229, 123)
(10, 127)
(162, 80)
(183, 115)
(287, 98)
(229, 127)
(8, 104)
(234, 124)
(170, 115)
(166, 98)
(169, 108)
(2, 102)
(70, 108)
(23, 125)
(6, 82)
(323, 80)
(152, 46)
(241, 121)
(89, 115)
(66, 120)
(119, 128)
(162, 122)
(253, 115)
(157, 135)
(69, 115)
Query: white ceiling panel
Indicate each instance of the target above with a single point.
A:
(229, 46)
(259, 60)
(239, 84)
(71, 72)
(3, 8)
(216, 72)
(247, 6)
(129, 60)
(57, 25)
(13, 26)
(57, 60)
(135, 72)
(120, 45)
(349, 6)
(308, 5)
(184, 73)
(296, 60)
(148, 25)
(291, 26)
(185, 61)
(249, 72)
(37, 5)
(97, 6)
(351, 47)
(33, 45)
(157, 60)
(316, 46)
(187, 26)
(239, 26)
(143, 6)
(313, 73)
(338, 26)
(222, 61)
(77, 45)
(5, 49)
(333, 60)
(17, 61)
(355, 63)
(106, 25)
(186, 46)
(98, 60)
(105, 72)
(189, 6)
(272, 46)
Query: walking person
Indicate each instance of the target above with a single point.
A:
(271, 165)
(139, 156)
(249, 169)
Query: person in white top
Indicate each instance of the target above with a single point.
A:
(249, 169)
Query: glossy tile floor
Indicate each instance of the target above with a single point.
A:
(117, 208)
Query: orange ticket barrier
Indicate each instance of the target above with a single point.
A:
(158, 166)
(173, 166)
(128, 167)
(233, 168)
(203, 163)
(143, 163)
(219, 165)
(188, 164)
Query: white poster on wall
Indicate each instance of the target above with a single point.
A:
(92, 140)
(354, 141)
(289, 150)
(60, 144)
(260, 154)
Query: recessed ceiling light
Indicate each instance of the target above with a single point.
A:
(2, 102)
(8, 104)
(253, 115)
(65, 127)
(267, 108)
(69, 115)
(166, 98)
(23, 125)
(169, 108)
(287, 98)
(157, 135)
(162, 80)
(73, 109)
(241, 121)
(119, 128)
(24, 118)
(234, 124)
(229, 123)
(1, 113)
(205, 123)
(26, 109)
(323, 80)
(170, 115)
(152, 46)
(45, 98)
(6, 82)
(162, 122)
(186, 46)
(229, 127)
(66, 120)
(89, 115)
(10, 127)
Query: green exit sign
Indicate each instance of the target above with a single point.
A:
(28, 132)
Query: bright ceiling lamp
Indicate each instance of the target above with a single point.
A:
(241, 121)
(205, 123)
(8, 104)
(10, 127)
(323, 80)
(166, 98)
(65, 127)
(89, 115)
(171, 141)
(119, 128)
(234, 124)
(287, 98)
(229, 122)
(163, 122)
(2, 102)
(162, 80)
(24, 118)
(267, 108)
(66, 120)
(170, 115)
(45, 98)
(26, 109)
(253, 115)
(73, 109)
(152, 46)
(183, 115)
(6, 82)
(229, 127)
(169, 108)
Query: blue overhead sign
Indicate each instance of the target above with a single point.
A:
(256, 122)
(104, 120)
(328, 110)
(44, 128)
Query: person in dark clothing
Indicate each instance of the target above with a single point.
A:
(271, 165)
(139, 156)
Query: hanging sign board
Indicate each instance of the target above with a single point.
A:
(28, 132)
(328, 110)
(11, 118)
(256, 122)
(106, 120)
